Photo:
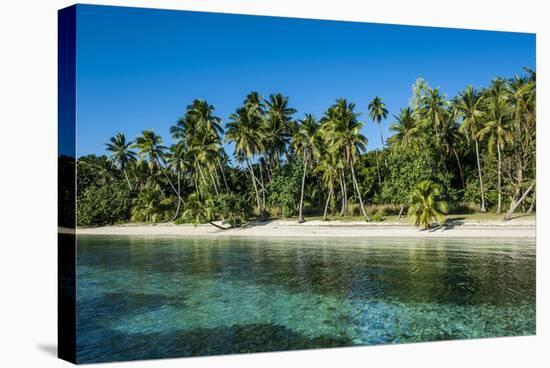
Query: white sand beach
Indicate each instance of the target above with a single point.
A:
(518, 228)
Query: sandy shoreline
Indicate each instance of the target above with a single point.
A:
(282, 228)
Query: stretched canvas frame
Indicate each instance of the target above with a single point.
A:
(513, 315)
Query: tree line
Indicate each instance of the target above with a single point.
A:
(472, 152)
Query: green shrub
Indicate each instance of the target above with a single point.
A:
(284, 190)
(234, 208)
(104, 205)
(376, 217)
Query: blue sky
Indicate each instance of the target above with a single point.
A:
(139, 68)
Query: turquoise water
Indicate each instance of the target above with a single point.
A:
(160, 297)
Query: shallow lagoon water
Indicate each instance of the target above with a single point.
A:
(160, 297)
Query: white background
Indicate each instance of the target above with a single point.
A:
(28, 149)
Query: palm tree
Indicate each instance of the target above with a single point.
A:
(150, 147)
(329, 166)
(205, 149)
(496, 130)
(343, 131)
(522, 98)
(184, 130)
(278, 127)
(328, 123)
(451, 139)
(178, 161)
(183, 133)
(199, 131)
(243, 130)
(199, 210)
(425, 204)
(377, 112)
(121, 153)
(404, 127)
(470, 105)
(201, 112)
(255, 105)
(306, 142)
(434, 108)
(147, 206)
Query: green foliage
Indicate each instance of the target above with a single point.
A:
(234, 208)
(94, 170)
(407, 166)
(198, 211)
(475, 148)
(149, 206)
(104, 205)
(426, 205)
(66, 191)
(367, 174)
(377, 217)
(284, 189)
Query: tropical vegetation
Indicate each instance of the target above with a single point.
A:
(471, 152)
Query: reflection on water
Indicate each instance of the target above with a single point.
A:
(146, 298)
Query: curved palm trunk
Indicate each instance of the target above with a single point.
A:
(483, 209)
(179, 200)
(301, 210)
(443, 162)
(382, 141)
(223, 176)
(532, 206)
(218, 226)
(341, 185)
(217, 177)
(262, 184)
(161, 191)
(251, 170)
(268, 168)
(514, 204)
(499, 181)
(170, 181)
(344, 193)
(214, 182)
(378, 170)
(459, 167)
(197, 191)
(202, 175)
(127, 180)
(326, 205)
(358, 191)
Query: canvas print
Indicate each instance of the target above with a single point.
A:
(237, 184)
